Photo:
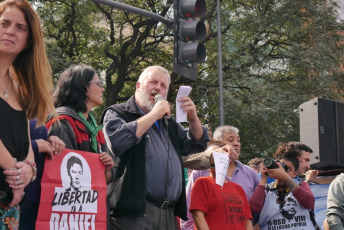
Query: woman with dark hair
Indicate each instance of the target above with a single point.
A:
(78, 91)
(286, 203)
(25, 80)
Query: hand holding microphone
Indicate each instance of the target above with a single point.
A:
(161, 105)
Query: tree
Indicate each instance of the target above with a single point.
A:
(120, 44)
(276, 55)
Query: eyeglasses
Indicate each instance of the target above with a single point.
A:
(100, 84)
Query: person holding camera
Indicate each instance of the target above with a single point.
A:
(286, 202)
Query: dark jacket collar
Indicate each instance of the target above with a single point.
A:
(132, 107)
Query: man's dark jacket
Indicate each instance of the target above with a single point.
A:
(127, 192)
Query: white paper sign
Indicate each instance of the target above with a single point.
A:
(183, 91)
(221, 166)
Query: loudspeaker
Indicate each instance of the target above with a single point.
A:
(322, 129)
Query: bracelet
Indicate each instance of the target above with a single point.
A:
(34, 169)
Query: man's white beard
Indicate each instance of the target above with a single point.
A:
(144, 99)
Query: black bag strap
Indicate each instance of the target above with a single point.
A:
(311, 214)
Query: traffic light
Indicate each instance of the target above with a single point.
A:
(188, 31)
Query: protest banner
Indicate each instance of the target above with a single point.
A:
(73, 194)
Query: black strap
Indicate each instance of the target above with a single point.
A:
(161, 203)
(311, 214)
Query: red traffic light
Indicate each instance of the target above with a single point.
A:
(193, 8)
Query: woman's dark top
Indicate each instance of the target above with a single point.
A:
(13, 134)
(33, 189)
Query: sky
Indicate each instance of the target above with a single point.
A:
(341, 10)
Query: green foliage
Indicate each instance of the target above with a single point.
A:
(276, 55)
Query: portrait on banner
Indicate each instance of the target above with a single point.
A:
(76, 194)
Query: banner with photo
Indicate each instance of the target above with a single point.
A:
(73, 194)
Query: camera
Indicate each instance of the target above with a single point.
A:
(270, 163)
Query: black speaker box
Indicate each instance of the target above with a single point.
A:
(322, 129)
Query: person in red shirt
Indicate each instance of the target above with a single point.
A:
(213, 207)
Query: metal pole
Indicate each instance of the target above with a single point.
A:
(219, 55)
(145, 13)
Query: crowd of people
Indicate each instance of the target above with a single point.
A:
(143, 149)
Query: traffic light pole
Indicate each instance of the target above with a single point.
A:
(219, 55)
(167, 22)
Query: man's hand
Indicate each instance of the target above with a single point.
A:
(232, 154)
(227, 149)
(189, 107)
(160, 109)
(195, 124)
(311, 175)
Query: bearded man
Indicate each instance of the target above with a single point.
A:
(289, 209)
(148, 182)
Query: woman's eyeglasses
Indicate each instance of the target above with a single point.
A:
(100, 84)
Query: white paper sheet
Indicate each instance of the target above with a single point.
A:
(183, 91)
(221, 166)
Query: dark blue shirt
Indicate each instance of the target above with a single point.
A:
(33, 190)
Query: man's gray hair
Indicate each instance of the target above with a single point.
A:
(224, 129)
(153, 68)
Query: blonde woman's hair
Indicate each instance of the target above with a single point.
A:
(31, 67)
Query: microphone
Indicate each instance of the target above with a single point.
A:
(157, 98)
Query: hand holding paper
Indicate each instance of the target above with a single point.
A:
(232, 154)
(183, 91)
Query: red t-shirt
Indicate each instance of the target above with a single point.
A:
(225, 208)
